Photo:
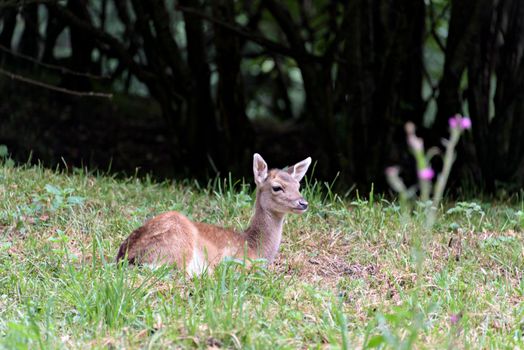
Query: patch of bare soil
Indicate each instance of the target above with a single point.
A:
(326, 268)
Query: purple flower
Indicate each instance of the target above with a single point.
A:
(459, 122)
(426, 174)
(455, 318)
(465, 123)
(454, 121)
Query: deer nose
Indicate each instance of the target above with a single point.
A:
(302, 203)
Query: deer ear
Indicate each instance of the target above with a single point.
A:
(298, 170)
(259, 169)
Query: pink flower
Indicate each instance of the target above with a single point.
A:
(454, 121)
(455, 318)
(426, 174)
(465, 123)
(458, 121)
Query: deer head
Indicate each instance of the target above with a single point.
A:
(278, 191)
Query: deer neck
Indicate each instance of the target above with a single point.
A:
(264, 232)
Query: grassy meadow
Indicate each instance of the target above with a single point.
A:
(351, 273)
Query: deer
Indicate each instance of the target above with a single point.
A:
(171, 238)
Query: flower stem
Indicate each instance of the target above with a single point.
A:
(442, 179)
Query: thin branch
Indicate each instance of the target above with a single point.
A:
(340, 35)
(434, 22)
(161, 20)
(262, 41)
(18, 3)
(288, 26)
(434, 88)
(305, 12)
(113, 43)
(61, 69)
(55, 88)
(254, 19)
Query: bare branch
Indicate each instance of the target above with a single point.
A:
(114, 44)
(18, 3)
(161, 21)
(305, 14)
(54, 88)
(434, 22)
(340, 35)
(288, 26)
(262, 41)
(61, 69)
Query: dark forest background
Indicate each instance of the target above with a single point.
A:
(193, 88)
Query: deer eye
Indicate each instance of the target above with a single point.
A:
(277, 188)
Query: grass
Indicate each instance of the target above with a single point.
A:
(347, 274)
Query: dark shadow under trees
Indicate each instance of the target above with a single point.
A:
(345, 75)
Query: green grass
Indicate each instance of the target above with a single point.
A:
(346, 275)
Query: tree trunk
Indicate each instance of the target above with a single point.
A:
(200, 123)
(53, 30)
(463, 34)
(29, 40)
(480, 72)
(8, 16)
(382, 83)
(234, 125)
(82, 45)
(508, 122)
(318, 87)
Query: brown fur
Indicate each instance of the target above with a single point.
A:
(171, 238)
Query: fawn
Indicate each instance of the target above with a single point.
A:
(171, 238)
